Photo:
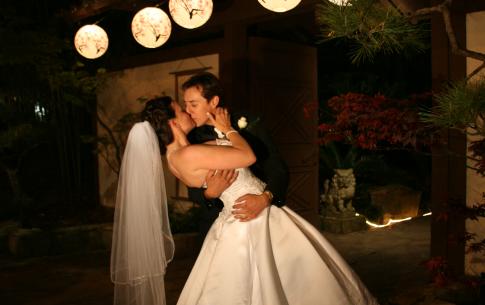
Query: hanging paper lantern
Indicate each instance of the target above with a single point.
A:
(339, 2)
(190, 14)
(279, 6)
(91, 41)
(151, 27)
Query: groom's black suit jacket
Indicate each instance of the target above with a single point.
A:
(269, 166)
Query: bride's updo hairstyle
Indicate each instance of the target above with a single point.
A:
(158, 112)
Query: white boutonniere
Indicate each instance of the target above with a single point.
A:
(242, 122)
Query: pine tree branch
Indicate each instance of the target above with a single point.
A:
(455, 48)
(112, 136)
(107, 160)
(444, 10)
(473, 159)
(425, 11)
(476, 71)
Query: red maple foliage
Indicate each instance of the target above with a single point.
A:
(372, 122)
(438, 268)
(477, 151)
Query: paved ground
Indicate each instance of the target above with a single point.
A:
(388, 261)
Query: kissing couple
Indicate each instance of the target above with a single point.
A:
(271, 257)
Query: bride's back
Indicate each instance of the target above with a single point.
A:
(183, 164)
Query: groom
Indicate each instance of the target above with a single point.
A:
(202, 94)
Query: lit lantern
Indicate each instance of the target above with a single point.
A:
(279, 6)
(190, 14)
(151, 27)
(91, 41)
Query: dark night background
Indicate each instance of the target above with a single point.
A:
(58, 173)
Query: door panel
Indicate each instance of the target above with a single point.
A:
(282, 85)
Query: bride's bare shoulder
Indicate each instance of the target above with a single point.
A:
(195, 155)
(182, 159)
(189, 152)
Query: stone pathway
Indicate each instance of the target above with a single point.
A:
(386, 259)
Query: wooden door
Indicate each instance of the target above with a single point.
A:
(282, 81)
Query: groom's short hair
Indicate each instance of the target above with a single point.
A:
(208, 84)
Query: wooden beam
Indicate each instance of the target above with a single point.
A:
(474, 6)
(408, 6)
(98, 7)
(225, 12)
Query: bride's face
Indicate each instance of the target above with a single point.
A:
(182, 118)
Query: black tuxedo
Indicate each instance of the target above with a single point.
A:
(269, 166)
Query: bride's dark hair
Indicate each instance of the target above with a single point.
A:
(158, 111)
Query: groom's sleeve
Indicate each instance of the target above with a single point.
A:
(270, 162)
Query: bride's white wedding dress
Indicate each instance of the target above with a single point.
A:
(277, 258)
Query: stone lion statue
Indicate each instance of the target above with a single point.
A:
(339, 192)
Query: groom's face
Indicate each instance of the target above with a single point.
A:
(197, 105)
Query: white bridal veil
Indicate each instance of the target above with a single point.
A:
(142, 242)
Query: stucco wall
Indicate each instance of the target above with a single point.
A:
(120, 95)
(475, 263)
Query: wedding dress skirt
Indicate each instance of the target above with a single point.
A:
(277, 258)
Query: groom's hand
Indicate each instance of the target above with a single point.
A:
(218, 181)
(249, 206)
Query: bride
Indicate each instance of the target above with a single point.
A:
(277, 258)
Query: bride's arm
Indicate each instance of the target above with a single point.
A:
(203, 156)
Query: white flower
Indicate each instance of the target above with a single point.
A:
(242, 122)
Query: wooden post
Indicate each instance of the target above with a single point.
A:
(448, 162)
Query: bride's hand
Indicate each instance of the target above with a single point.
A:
(221, 120)
(177, 130)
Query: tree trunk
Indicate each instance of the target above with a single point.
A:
(14, 184)
(20, 199)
